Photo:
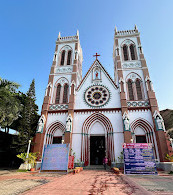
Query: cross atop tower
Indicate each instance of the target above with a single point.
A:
(96, 55)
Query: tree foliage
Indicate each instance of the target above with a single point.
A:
(10, 106)
(27, 122)
(168, 120)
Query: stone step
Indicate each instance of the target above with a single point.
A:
(94, 167)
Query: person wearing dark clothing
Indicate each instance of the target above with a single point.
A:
(105, 162)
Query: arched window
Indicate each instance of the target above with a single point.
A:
(132, 52)
(58, 94)
(65, 96)
(125, 52)
(62, 57)
(130, 90)
(138, 89)
(69, 58)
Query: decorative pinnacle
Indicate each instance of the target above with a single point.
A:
(59, 35)
(77, 33)
(136, 27)
(115, 29)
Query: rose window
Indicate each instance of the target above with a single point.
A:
(97, 96)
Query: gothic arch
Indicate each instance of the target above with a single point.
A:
(51, 129)
(130, 76)
(65, 49)
(61, 81)
(138, 90)
(149, 132)
(99, 117)
(127, 42)
(130, 53)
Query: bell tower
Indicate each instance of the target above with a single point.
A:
(136, 90)
(65, 75)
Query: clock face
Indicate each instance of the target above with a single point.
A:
(97, 96)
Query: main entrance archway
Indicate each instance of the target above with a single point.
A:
(88, 133)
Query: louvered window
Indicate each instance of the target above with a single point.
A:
(138, 89)
(130, 89)
(65, 96)
(62, 57)
(69, 57)
(58, 94)
(132, 52)
(125, 52)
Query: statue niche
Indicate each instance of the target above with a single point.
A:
(96, 74)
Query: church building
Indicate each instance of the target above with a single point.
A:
(96, 114)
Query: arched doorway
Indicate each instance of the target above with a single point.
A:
(97, 145)
(142, 130)
(54, 133)
(97, 127)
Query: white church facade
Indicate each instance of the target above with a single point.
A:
(96, 114)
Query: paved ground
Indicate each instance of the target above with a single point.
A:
(87, 182)
(12, 182)
(157, 184)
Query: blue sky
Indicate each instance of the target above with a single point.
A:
(29, 29)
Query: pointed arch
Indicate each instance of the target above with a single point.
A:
(125, 52)
(132, 52)
(86, 133)
(51, 129)
(65, 94)
(58, 92)
(130, 89)
(69, 57)
(149, 133)
(62, 57)
(138, 89)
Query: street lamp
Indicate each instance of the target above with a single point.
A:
(28, 153)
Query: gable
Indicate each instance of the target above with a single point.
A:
(97, 90)
(91, 73)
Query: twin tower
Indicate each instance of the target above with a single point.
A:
(126, 104)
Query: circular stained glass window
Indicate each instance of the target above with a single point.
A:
(97, 96)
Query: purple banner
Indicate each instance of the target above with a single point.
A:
(55, 157)
(139, 159)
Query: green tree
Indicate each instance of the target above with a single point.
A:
(10, 106)
(27, 123)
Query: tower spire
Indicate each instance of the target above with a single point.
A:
(77, 33)
(115, 29)
(136, 27)
(59, 35)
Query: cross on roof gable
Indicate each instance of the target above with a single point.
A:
(96, 63)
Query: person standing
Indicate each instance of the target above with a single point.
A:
(105, 162)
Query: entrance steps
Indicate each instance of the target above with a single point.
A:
(94, 167)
